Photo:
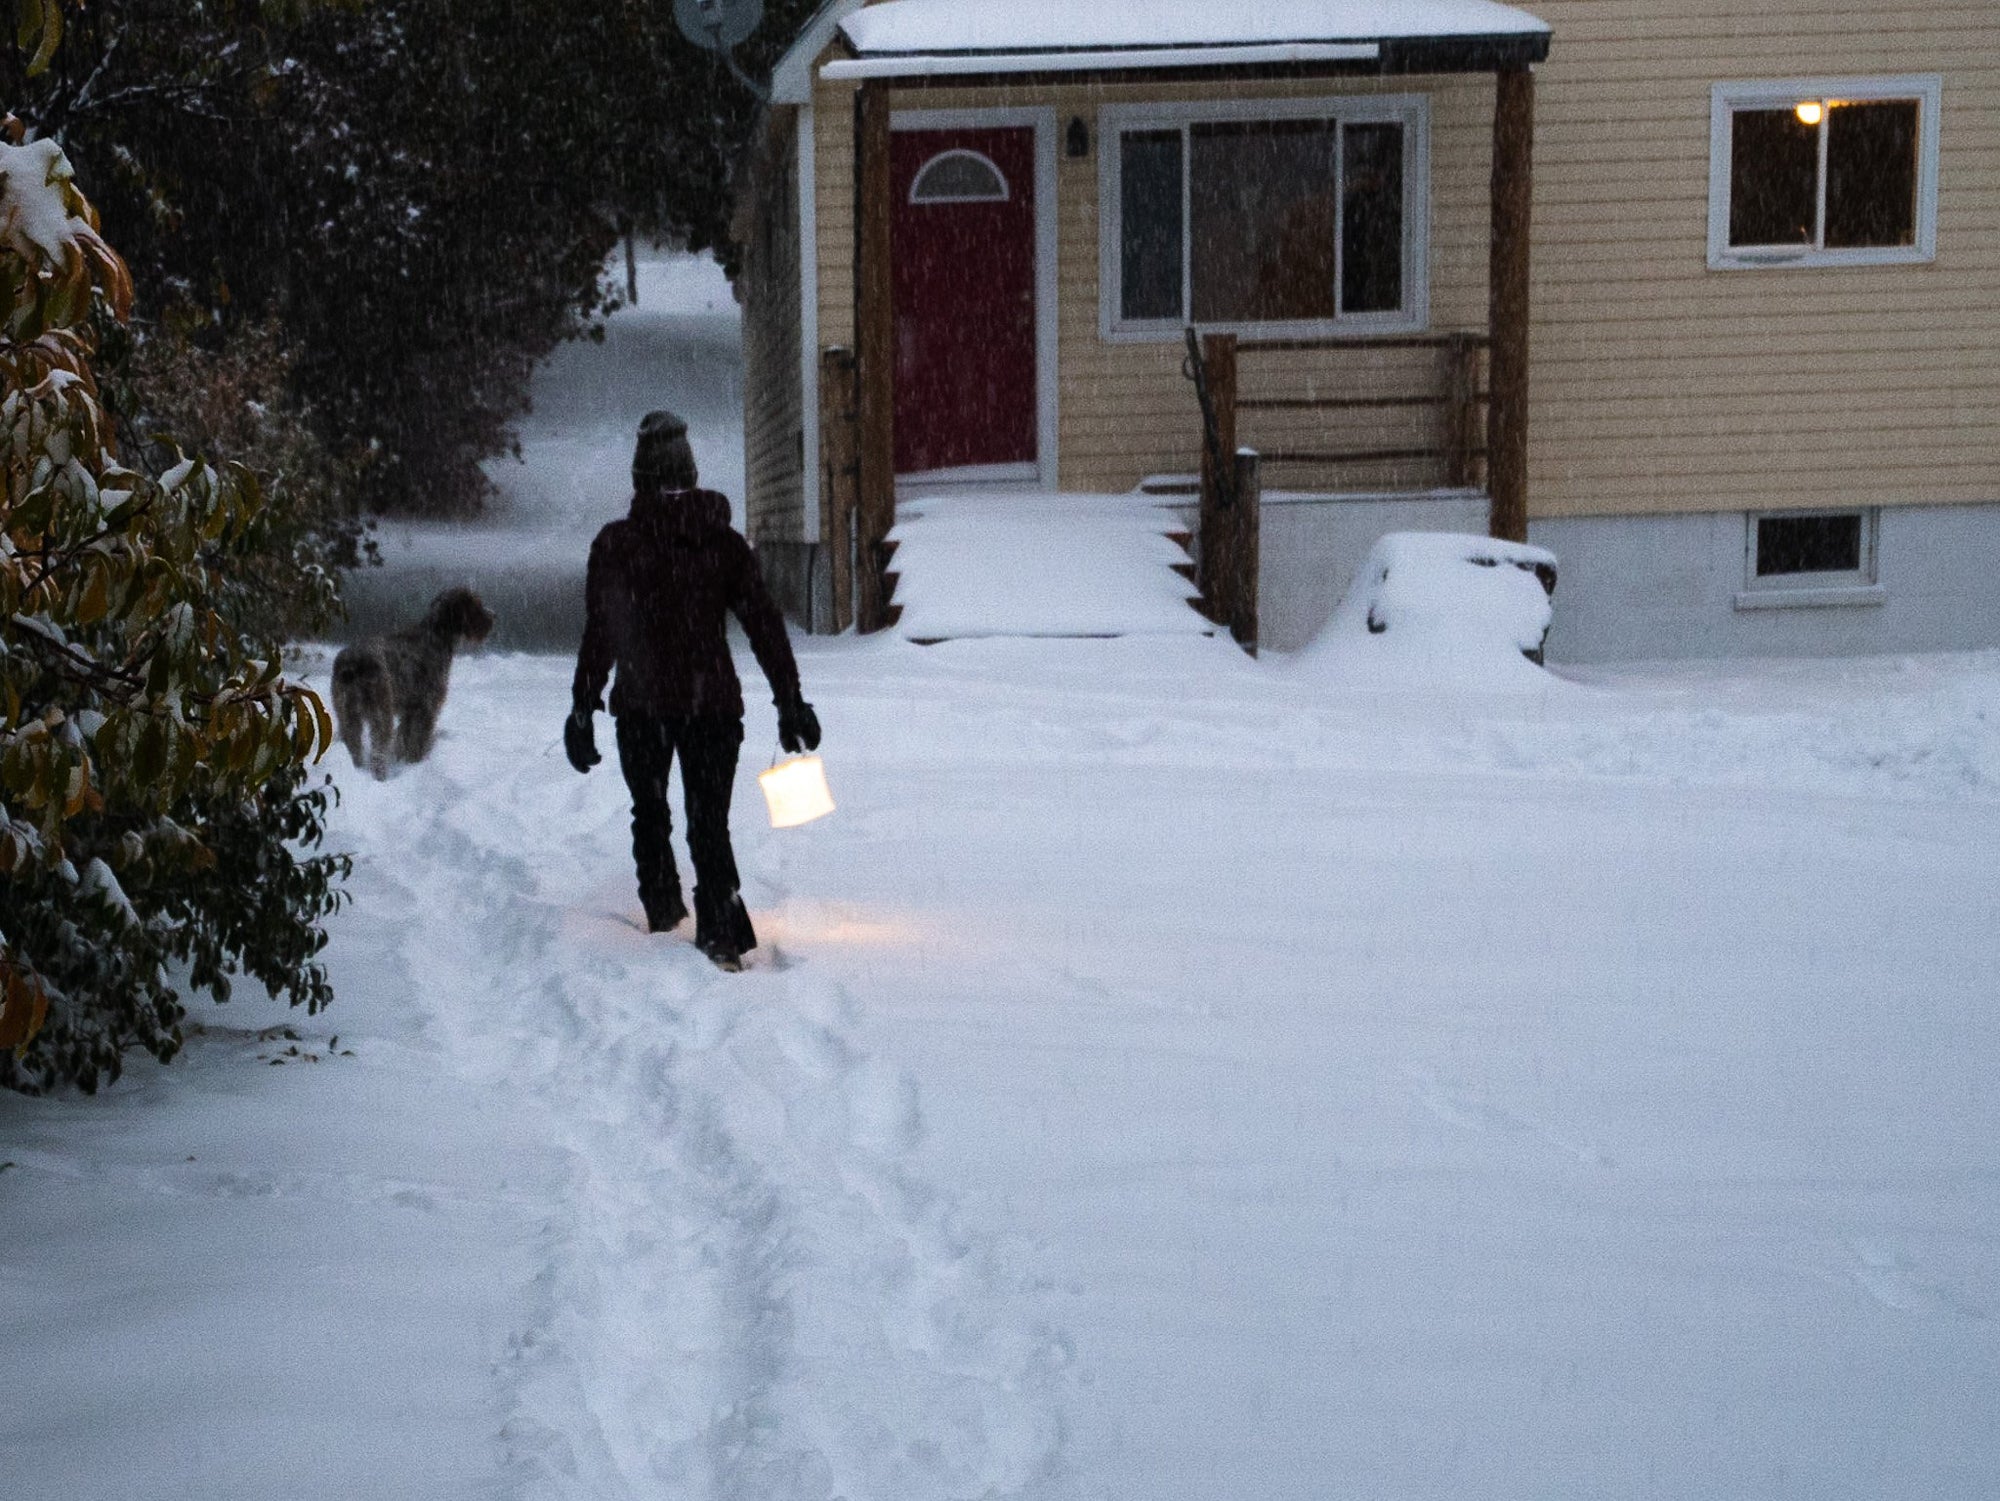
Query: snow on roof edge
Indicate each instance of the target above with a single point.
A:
(791, 79)
(945, 64)
(965, 26)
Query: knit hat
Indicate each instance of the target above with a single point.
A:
(663, 460)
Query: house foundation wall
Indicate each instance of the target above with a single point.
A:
(1634, 588)
(1311, 544)
(1641, 587)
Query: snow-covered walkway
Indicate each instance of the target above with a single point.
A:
(1164, 1076)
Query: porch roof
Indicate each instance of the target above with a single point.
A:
(941, 38)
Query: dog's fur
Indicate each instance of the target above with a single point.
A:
(393, 686)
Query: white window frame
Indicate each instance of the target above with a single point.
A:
(1845, 586)
(1927, 89)
(1411, 111)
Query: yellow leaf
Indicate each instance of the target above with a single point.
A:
(24, 1004)
(41, 26)
(78, 792)
(96, 597)
(325, 725)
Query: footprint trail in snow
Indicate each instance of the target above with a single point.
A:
(745, 1292)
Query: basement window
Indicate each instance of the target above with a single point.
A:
(1823, 171)
(1304, 217)
(1810, 558)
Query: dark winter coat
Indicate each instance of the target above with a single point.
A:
(662, 583)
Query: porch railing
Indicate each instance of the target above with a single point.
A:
(1408, 406)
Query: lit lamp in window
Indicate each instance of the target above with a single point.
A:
(796, 791)
(1810, 112)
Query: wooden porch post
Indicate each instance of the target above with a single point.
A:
(1216, 534)
(1246, 548)
(1513, 193)
(839, 476)
(876, 340)
(1232, 490)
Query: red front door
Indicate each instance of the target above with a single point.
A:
(963, 272)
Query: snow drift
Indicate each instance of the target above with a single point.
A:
(1428, 608)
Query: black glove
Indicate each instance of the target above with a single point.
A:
(798, 727)
(580, 740)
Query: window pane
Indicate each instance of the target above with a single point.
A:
(1773, 178)
(1871, 173)
(1371, 267)
(959, 177)
(1149, 199)
(1808, 544)
(1263, 220)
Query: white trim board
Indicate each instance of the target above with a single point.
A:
(1042, 120)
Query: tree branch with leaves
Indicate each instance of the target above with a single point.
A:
(137, 720)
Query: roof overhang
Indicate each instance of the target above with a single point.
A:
(1279, 59)
(971, 41)
(961, 40)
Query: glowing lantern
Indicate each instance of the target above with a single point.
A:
(1811, 112)
(796, 791)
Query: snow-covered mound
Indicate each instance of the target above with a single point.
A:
(1028, 563)
(1440, 608)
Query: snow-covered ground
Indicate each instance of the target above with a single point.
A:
(1167, 1075)
(1164, 1076)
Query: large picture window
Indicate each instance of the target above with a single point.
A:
(1828, 171)
(1308, 220)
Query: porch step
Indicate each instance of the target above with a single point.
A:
(1032, 563)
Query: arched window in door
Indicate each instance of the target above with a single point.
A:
(959, 177)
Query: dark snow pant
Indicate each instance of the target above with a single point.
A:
(707, 745)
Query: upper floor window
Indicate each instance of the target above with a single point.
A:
(1267, 218)
(1823, 171)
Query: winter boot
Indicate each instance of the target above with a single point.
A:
(722, 929)
(664, 911)
(723, 957)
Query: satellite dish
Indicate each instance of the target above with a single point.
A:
(718, 25)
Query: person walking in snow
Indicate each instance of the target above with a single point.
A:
(660, 585)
